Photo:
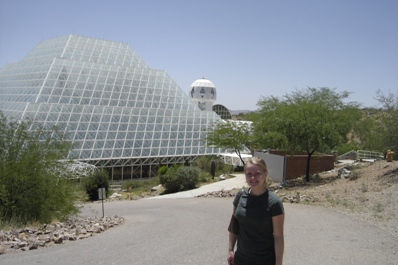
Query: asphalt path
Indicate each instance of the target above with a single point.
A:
(194, 231)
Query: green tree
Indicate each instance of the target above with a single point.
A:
(30, 186)
(389, 119)
(230, 136)
(306, 120)
(369, 132)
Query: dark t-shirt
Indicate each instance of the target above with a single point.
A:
(255, 233)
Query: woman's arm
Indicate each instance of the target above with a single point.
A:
(278, 222)
(231, 247)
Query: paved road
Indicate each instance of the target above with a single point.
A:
(193, 231)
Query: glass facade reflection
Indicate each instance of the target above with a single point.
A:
(222, 111)
(121, 114)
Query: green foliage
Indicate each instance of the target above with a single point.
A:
(345, 148)
(169, 180)
(132, 184)
(98, 179)
(162, 170)
(308, 120)
(389, 120)
(139, 184)
(203, 177)
(230, 136)
(369, 132)
(30, 187)
(189, 177)
(204, 164)
(178, 178)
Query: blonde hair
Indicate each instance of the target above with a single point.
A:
(257, 161)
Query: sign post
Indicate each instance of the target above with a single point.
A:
(101, 196)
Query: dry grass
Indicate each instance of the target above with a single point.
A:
(369, 193)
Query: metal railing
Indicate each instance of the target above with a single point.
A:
(363, 154)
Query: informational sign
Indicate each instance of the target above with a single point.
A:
(101, 194)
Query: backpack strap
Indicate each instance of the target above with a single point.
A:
(237, 199)
(234, 224)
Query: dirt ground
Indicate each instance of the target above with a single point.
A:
(369, 192)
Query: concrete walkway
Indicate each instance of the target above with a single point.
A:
(238, 181)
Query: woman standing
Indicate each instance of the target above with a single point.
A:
(257, 221)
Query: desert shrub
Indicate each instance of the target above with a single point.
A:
(179, 178)
(204, 163)
(132, 184)
(91, 183)
(203, 177)
(316, 177)
(239, 169)
(188, 177)
(162, 170)
(139, 184)
(30, 187)
(169, 180)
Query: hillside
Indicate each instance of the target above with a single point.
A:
(370, 192)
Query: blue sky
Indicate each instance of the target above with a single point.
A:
(248, 49)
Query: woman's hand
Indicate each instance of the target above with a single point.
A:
(230, 258)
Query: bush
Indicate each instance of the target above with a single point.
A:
(132, 184)
(169, 180)
(345, 148)
(204, 163)
(30, 187)
(203, 177)
(139, 184)
(162, 170)
(188, 177)
(98, 179)
(179, 178)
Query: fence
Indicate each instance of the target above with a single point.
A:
(363, 154)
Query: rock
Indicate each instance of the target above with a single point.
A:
(73, 229)
(22, 244)
(30, 230)
(156, 188)
(33, 245)
(2, 250)
(343, 173)
(220, 194)
(115, 195)
(58, 240)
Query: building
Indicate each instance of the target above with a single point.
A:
(121, 114)
(204, 94)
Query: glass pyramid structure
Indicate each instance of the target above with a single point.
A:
(120, 114)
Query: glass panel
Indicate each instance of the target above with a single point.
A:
(109, 99)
